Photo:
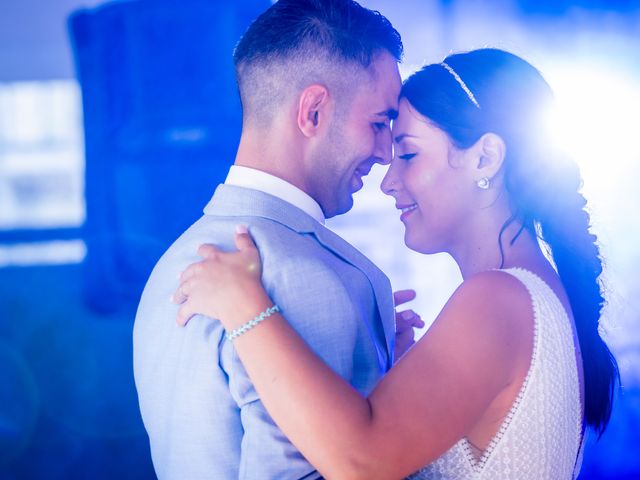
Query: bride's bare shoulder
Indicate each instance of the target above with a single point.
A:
(494, 291)
(493, 305)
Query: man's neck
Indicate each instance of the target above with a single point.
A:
(269, 156)
(254, 179)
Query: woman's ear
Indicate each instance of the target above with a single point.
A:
(491, 151)
(312, 109)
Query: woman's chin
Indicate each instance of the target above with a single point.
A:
(424, 246)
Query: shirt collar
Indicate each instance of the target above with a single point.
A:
(264, 182)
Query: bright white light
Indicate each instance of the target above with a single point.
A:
(597, 119)
(58, 252)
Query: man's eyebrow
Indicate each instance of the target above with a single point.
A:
(391, 114)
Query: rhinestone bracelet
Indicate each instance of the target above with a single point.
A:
(252, 323)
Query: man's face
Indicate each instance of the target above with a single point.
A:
(354, 143)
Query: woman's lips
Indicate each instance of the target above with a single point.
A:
(406, 210)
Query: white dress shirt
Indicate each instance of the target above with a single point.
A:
(264, 182)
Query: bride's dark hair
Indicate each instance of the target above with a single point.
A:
(543, 185)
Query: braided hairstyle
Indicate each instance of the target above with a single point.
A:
(543, 185)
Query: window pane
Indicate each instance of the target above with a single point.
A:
(41, 155)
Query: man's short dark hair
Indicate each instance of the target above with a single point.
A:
(298, 42)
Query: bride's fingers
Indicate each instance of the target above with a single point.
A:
(184, 314)
(190, 271)
(403, 296)
(244, 241)
(207, 250)
(182, 292)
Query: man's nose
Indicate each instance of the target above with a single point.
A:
(383, 152)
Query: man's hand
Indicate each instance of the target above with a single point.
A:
(406, 321)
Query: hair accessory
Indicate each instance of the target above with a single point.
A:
(252, 323)
(461, 83)
(483, 183)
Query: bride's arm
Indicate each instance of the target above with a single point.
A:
(429, 400)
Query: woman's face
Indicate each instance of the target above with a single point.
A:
(430, 182)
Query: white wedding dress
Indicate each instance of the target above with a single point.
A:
(541, 437)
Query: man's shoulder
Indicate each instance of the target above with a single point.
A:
(220, 231)
(285, 252)
(273, 237)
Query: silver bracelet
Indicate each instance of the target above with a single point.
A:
(252, 323)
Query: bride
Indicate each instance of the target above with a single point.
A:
(513, 369)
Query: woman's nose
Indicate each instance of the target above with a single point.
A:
(389, 182)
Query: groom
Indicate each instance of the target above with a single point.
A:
(319, 84)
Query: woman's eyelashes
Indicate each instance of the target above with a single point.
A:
(407, 156)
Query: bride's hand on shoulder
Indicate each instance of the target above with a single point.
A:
(224, 285)
(406, 321)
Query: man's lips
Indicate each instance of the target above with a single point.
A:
(363, 170)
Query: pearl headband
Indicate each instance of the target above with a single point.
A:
(461, 83)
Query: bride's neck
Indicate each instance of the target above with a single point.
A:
(492, 250)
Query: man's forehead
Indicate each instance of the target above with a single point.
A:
(379, 94)
(387, 85)
(380, 103)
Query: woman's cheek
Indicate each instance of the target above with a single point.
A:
(424, 181)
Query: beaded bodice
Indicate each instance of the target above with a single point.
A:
(541, 435)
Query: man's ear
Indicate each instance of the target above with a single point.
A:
(490, 153)
(312, 109)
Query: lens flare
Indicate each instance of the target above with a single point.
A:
(595, 120)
